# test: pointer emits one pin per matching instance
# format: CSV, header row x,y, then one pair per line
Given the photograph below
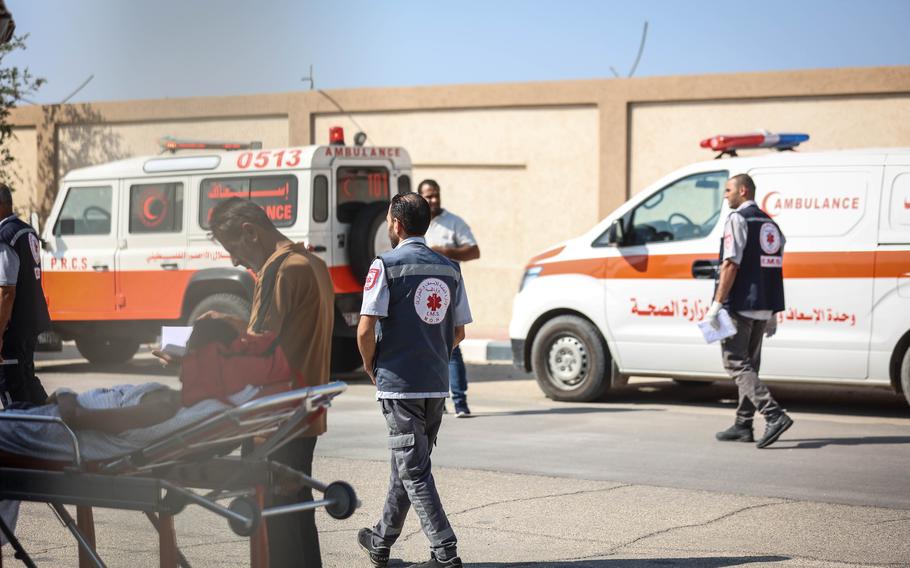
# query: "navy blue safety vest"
x,y
415,340
759,283
29,316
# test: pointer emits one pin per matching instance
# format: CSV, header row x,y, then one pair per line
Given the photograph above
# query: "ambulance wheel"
x,y
369,238
905,375
107,350
230,304
570,360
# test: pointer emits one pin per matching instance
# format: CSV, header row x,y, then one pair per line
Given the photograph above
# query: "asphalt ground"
x,y
634,481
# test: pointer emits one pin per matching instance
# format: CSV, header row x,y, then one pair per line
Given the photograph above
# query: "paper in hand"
x,y
174,338
727,328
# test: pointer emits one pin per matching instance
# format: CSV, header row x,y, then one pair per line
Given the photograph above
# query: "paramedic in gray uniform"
x,y
413,316
450,236
23,309
751,288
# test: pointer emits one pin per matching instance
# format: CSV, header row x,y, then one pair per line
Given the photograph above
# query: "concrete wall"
x,y
522,179
22,176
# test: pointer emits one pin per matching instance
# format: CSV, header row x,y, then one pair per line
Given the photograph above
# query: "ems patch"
x,y
372,276
769,238
35,246
772,261
431,300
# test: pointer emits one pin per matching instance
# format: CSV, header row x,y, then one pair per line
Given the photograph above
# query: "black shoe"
x,y
454,562
379,557
736,433
462,411
774,429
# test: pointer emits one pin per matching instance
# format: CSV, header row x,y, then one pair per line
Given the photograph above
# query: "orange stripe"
x,y
344,280
872,264
547,254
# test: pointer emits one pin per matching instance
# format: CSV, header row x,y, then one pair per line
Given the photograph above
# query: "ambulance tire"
x,y
370,220
905,375
107,350
226,303
570,360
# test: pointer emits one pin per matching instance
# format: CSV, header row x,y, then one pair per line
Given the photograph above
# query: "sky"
x,y
183,48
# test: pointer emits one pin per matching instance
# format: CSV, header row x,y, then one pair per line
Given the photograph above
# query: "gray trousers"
x,y
413,425
742,360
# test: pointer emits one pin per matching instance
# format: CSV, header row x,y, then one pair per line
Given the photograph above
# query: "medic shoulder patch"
x,y
431,300
372,277
35,246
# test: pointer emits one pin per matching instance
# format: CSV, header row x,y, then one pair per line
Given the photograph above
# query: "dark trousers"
x,y
458,379
742,360
413,426
293,538
18,383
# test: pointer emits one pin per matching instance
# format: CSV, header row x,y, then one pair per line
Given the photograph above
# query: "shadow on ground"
x,y
699,562
814,444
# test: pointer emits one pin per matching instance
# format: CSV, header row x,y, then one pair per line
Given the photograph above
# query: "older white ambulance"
x,y
127,247
624,298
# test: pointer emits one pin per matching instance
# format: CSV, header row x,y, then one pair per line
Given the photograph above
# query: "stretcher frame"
x,y
192,466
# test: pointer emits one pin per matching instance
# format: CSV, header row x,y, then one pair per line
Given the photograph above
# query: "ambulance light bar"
x,y
171,144
729,144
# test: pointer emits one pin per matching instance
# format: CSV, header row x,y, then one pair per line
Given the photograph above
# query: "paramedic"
x,y
417,298
301,310
751,289
450,236
23,309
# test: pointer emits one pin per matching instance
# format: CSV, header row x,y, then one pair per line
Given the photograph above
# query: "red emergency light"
x,y
336,136
171,144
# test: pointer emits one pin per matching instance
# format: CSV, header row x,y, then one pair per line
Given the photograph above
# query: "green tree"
x,y
16,85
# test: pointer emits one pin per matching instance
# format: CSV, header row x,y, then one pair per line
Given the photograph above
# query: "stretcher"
x,y
198,465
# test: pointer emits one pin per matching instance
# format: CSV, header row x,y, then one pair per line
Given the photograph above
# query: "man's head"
x,y
429,190
739,189
6,200
409,216
245,232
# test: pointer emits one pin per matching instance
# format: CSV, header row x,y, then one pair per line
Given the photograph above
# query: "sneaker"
x,y
462,411
736,433
379,557
454,562
773,430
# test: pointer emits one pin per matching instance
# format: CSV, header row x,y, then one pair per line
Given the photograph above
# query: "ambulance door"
x,y
660,280
828,216
320,233
79,265
151,257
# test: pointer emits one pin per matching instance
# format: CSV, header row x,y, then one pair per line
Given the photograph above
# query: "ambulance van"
x,y
127,246
623,299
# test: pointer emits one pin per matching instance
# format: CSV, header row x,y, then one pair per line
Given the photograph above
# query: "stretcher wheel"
x,y
343,498
175,502
249,509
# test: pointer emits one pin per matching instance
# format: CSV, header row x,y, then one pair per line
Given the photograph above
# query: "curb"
x,y
486,351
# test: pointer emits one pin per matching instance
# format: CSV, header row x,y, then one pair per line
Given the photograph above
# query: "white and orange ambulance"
x,y
127,246
624,298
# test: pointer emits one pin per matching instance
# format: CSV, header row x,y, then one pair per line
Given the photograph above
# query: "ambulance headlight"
x,y
530,274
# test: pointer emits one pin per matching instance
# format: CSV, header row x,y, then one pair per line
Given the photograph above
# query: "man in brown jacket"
x,y
300,309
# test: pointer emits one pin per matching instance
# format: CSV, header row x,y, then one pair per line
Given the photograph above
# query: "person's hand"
x,y
711,316
237,323
167,359
771,327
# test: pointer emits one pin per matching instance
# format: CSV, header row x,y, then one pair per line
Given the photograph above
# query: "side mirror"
x,y
617,233
65,226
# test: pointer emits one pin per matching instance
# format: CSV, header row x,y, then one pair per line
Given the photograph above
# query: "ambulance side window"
x,y
277,195
156,208
320,199
686,209
404,184
86,211
359,186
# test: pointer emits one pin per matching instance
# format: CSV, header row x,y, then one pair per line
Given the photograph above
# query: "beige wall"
x,y
666,136
23,175
522,179
89,144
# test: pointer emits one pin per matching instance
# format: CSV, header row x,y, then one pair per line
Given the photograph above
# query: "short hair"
x,y
430,182
6,195
230,215
412,211
744,180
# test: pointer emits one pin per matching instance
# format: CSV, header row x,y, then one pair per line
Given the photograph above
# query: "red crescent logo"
x,y
764,204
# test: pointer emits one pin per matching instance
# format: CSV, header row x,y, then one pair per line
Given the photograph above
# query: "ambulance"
x,y
624,298
127,246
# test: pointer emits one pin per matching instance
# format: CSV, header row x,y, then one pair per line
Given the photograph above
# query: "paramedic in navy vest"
x,y
751,290
413,316
23,309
